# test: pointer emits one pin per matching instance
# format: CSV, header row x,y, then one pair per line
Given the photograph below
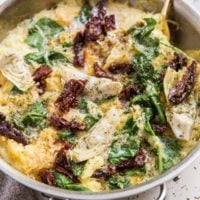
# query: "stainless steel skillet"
x,y
14,11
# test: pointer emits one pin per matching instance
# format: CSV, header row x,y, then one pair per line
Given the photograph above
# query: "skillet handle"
x,y
163,192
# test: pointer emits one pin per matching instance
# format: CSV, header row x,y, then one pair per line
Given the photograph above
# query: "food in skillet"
x,y
93,97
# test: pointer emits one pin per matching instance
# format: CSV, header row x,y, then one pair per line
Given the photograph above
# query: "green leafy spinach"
x,y
130,127
137,171
41,30
67,135
77,168
90,120
48,58
118,182
34,118
85,13
125,150
170,154
145,44
65,183
15,90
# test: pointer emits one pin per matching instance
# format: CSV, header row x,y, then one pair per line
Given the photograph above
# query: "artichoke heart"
x,y
15,70
96,88
99,139
180,117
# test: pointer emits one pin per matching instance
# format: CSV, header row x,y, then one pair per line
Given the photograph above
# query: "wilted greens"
x,y
65,183
41,30
85,13
67,135
90,120
47,57
170,154
32,120
118,182
125,150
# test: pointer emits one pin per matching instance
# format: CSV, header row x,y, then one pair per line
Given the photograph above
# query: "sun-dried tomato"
x,y
62,165
104,173
7,130
121,68
137,161
65,144
47,176
184,87
140,158
40,75
94,28
178,62
61,123
110,23
128,92
159,128
100,9
79,58
99,72
61,159
68,97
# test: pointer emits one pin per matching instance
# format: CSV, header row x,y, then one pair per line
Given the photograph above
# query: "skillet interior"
x,y
14,11
24,9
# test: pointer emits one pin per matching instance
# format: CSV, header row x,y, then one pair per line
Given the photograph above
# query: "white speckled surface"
x,y
186,188
195,4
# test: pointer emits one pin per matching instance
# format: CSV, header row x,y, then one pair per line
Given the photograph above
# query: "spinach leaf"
x,y
171,152
118,182
32,120
55,56
145,44
35,39
167,150
43,28
48,58
61,180
141,32
85,13
130,127
148,117
83,106
48,26
67,135
144,70
35,116
90,120
15,90
77,187
77,168
137,171
37,57
150,47
65,183
68,44
125,150
152,90
150,98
